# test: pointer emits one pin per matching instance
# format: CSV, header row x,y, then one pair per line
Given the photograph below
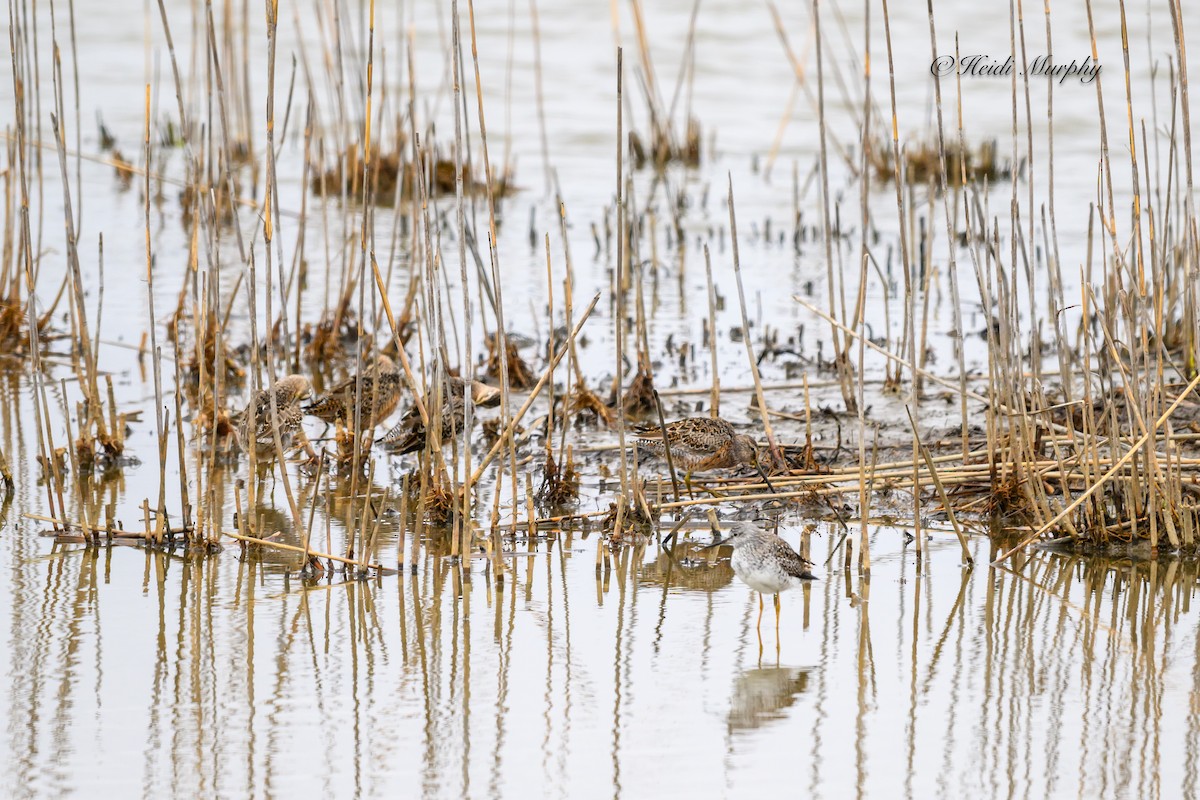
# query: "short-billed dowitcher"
x,y
379,396
409,433
702,443
765,563
289,391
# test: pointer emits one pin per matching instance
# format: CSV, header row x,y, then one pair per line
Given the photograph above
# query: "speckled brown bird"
x,y
380,394
289,391
702,443
408,435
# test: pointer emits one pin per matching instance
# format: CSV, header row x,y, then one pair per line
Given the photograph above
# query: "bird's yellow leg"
x,y
776,621
758,628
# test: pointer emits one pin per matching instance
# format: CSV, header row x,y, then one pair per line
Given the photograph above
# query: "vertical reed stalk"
x,y
715,395
841,354
618,311
776,454
864,504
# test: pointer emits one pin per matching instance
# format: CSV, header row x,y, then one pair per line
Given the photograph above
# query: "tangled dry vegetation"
x,y
1084,433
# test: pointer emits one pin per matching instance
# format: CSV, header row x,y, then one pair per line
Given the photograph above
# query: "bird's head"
x,y
385,364
297,387
747,451
485,396
739,533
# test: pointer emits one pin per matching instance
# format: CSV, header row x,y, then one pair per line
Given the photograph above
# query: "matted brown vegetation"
x,y
390,177
922,163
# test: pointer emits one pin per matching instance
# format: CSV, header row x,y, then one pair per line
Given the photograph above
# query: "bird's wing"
x,y
346,387
699,433
401,429
648,432
792,563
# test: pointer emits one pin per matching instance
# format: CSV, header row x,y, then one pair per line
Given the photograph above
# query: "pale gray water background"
x,y
133,673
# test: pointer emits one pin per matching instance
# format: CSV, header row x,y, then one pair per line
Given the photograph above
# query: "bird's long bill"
x,y
714,545
763,474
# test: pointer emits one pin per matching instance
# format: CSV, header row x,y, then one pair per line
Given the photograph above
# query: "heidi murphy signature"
x,y
987,67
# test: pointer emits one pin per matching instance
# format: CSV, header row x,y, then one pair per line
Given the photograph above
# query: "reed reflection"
x,y
995,676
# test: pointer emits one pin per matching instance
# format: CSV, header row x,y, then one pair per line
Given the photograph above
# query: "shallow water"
x,y
134,672
155,674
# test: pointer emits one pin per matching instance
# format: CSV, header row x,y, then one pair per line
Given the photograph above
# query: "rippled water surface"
x,y
548,670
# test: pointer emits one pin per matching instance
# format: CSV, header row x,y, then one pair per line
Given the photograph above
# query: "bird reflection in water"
x,y
761,695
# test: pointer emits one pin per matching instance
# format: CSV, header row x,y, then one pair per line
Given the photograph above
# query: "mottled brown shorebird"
x,y
702,443
408,435
289,391
766,564
380,394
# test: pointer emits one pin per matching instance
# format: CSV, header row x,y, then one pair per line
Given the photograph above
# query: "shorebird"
x,y
702,443
289,391
766,564
409,433
380,395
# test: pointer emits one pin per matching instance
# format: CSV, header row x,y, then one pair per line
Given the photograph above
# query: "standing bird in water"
x,y
766,564
379,396
409,435
702,443
289,391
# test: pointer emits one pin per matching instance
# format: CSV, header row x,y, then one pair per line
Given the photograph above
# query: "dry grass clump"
x,y
100,446
124,170
332,338
439,505
801,458
586,405
201,358
638,399
224,201
922,165
389,171
344,440
14,317
629,514
493,428
520,376
560,483
663,148
209,421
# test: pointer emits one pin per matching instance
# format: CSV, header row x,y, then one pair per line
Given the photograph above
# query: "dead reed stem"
x,y
776,455
715,391
618,310
841,354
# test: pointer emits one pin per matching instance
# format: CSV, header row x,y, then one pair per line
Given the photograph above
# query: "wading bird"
x,y
702,443
289,391
766,564
380,394
408,435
